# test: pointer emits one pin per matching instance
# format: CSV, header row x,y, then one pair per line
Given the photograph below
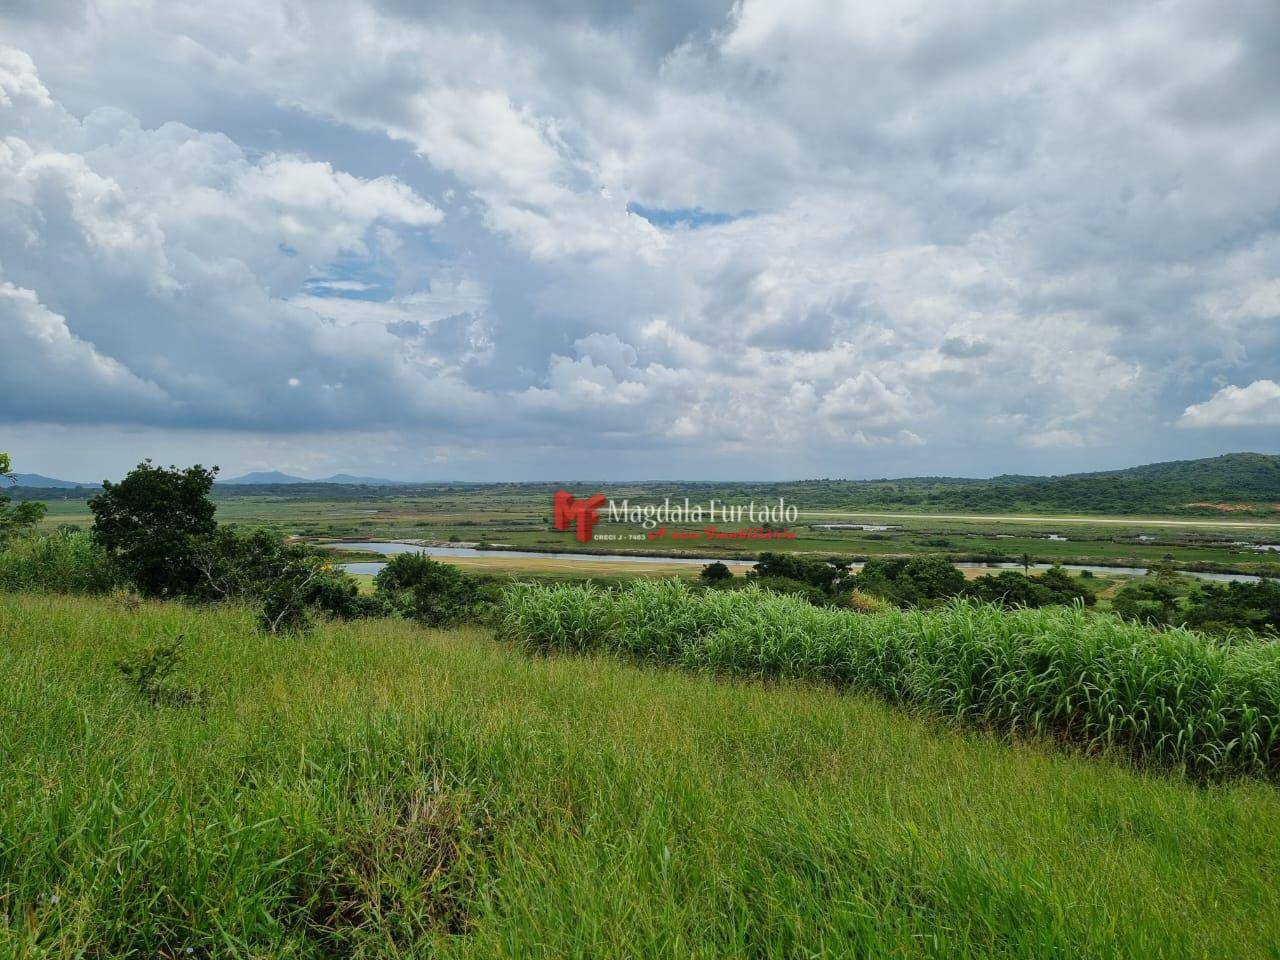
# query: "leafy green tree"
x,y
1231,606
151,521
1008,588
910,581
1012,589
816,573
1149,600
21,517
1064,588
714,573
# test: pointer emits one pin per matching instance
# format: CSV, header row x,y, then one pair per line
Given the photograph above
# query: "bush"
x,y
291,580
715,573
866,602
1171,696
785,566
337,594
150,673
1011,589
433,593
65,562
910,581
1063,589
1150,600
1236,606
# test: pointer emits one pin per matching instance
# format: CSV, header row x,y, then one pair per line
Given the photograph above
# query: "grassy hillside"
x,y
1230,482
379,791
1209,707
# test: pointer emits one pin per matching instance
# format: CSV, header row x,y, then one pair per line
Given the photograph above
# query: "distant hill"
x,y
262,477
361,481
1234,482
41,482
1240,474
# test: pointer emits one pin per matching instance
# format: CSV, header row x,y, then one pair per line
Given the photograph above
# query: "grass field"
x,y
380,791
1207,706
522,520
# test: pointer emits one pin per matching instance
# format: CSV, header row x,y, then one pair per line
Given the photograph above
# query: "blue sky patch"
x,y
691,217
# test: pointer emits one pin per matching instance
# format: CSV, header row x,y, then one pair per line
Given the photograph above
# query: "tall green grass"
x,y
67,561
380,791
1173,697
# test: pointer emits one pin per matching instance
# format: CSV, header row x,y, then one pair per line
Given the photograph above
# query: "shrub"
x,y
1063,589
291,580
150,673
910,581
65,562
714,573
337,594
1150,600
864,602
1011,589
785,566
433,593
1234,606
1171,696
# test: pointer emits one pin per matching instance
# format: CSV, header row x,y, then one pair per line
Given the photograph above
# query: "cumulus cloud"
x,y
1024,233
1257,405
49,373
177,262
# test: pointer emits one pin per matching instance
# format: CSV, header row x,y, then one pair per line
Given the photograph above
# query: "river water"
x,y
373,566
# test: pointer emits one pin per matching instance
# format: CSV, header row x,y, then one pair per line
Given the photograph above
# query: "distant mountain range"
x,y
275,477
1235,483
37,481
46,483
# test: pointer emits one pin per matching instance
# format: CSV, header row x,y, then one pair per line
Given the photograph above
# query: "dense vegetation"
x,y
1227,608
68,561
151,523
156,532
14,517
375,790
900,581
1248,484
1173,696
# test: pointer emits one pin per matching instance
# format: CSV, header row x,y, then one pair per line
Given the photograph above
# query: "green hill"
x,y
1236,482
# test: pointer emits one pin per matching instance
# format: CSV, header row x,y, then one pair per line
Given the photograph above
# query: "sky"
x,y
682,240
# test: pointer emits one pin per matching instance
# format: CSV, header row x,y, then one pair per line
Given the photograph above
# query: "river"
x,y
373,566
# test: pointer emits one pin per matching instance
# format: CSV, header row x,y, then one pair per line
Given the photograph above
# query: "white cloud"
x,y
1257,405
176,262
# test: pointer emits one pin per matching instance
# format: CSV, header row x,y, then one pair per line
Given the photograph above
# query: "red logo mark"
x,y
581,512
